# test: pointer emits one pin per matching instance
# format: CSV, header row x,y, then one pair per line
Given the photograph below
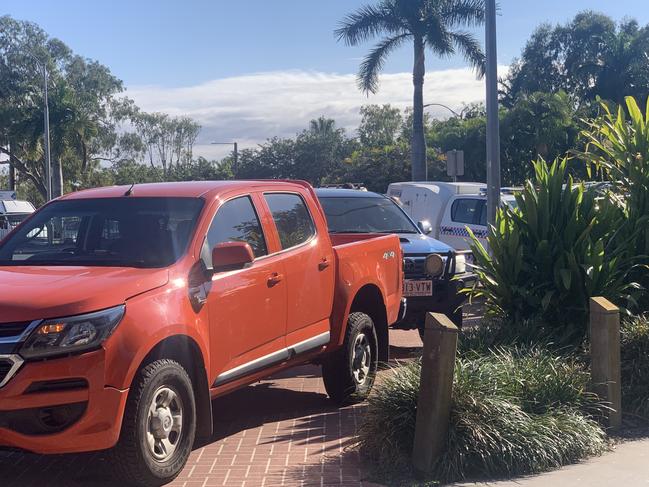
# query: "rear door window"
x,y
466,210
292,218
483,213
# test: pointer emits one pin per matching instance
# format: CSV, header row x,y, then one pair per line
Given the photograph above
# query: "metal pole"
x,y
12,172
46,137
493,135
236,158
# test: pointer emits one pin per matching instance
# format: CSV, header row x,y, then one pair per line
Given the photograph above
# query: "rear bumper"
x,y
95,426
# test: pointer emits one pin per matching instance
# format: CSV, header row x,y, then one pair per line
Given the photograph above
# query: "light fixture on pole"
x,y
459,115
46,128
235,153
493,131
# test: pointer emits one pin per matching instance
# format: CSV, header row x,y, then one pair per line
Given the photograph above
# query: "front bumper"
x,y
40,387
446,299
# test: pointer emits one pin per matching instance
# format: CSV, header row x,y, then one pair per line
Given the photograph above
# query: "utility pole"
x,y
493,131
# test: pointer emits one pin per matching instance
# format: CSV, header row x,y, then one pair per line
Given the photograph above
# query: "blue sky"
x,y
179,55
177,43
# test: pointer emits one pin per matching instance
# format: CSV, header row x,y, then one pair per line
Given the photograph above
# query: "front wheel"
x,y
349,373
159,426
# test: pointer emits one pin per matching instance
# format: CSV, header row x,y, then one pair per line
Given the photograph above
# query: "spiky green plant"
x,y
617,147
559,247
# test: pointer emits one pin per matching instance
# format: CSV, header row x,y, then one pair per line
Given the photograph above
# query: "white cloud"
x,y
252,108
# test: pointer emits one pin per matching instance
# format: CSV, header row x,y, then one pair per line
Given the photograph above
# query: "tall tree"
x,y
434,24
588,57
379,125
80,92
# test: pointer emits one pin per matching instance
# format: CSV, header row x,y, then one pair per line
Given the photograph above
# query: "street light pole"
x,y
459,115
46,138
493,131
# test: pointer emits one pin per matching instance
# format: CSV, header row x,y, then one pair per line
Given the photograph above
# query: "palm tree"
x,y
425,23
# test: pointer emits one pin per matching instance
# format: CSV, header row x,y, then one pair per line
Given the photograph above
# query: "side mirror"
x,y
229,256
425,226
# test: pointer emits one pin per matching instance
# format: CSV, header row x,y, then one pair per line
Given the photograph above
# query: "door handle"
x,y
324,263
274,278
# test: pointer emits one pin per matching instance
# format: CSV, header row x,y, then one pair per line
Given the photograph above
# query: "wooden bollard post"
x,y
605,356
435,389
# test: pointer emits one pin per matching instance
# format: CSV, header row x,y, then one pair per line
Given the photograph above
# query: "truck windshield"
x,y
365,215
126,232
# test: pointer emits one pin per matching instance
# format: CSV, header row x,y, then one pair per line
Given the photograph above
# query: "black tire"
x,y
343,370
455,315
133,460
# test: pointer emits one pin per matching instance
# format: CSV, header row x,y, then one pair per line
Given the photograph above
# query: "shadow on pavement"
x,y
248,408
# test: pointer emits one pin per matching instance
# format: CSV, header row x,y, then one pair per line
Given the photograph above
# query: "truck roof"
x,y
345,193
191,189
15,207
449,187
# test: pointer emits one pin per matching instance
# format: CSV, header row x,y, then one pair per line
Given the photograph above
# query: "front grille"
x,y
414,266
9,366
8,330
5,367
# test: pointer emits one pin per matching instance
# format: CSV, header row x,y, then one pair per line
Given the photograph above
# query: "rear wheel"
x,y
159,426
349,373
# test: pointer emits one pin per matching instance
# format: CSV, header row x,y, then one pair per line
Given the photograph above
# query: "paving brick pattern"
x,y
281,431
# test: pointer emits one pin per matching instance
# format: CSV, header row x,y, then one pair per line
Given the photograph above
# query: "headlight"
x,y
460,263
73,334
434,265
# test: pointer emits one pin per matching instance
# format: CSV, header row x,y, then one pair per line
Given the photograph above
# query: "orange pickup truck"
x,y
124,311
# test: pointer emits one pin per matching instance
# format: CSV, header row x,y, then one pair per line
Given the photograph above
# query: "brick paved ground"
x,y
281,431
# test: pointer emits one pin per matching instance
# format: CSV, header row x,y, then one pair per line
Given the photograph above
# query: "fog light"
x,y
434,265
460,264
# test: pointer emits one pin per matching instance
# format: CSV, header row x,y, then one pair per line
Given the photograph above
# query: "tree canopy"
x,y
591,56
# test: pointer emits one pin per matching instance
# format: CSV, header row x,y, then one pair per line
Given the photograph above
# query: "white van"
x,y
449,208
12,212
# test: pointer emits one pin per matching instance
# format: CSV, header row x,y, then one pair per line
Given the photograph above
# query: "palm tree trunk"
x,y
419,169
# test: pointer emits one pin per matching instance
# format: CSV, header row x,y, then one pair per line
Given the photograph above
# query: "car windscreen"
x,y
116,232
365,215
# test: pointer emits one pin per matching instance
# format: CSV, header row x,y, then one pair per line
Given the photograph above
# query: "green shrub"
x,y
635,366
513,412
550,255
617,146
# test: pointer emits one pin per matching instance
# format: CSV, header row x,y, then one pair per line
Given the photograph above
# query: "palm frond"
x,y
466,13
368,74
368,22
437,36
471,50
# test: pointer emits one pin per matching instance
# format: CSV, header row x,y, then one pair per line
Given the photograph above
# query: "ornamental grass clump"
x,y
635,366
514,412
